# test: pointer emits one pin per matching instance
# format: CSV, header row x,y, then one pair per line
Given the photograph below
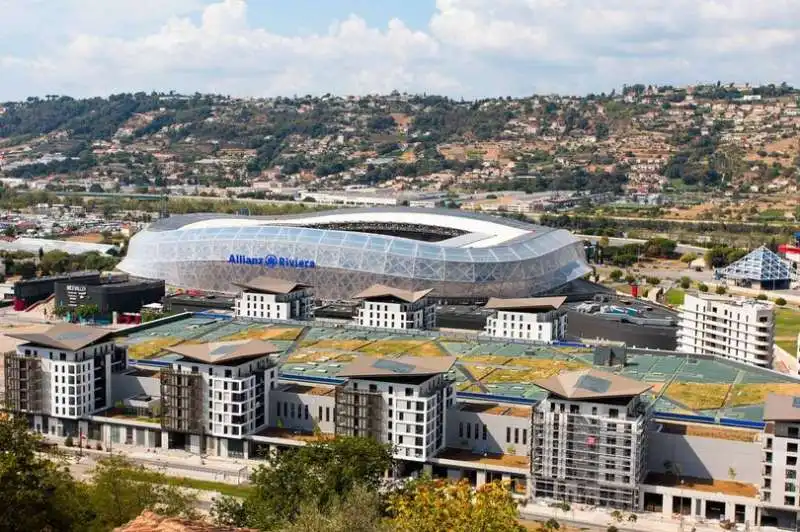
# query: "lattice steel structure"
x,y
760,266
491,256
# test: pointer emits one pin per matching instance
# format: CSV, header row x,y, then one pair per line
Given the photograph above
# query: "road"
x,y
617,241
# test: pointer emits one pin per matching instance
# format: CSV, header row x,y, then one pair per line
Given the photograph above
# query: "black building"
x,y
126,296
31,291
197,303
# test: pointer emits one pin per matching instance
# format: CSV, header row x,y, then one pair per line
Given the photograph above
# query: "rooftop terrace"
x,y
487,370
728,487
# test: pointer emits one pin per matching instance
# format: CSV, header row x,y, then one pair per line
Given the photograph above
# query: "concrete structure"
x,y
401,401
385,307
781,448
543,319
737,329
217,393
270,298
460,255
590,439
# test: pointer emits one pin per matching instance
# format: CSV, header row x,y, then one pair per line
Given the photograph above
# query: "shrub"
x,y
630,279
69,442
702,287
615,275
612,528
685,282
653,280
99,446
720,289
780,301
762,297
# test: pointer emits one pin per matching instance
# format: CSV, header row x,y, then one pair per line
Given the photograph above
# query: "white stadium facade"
x,y
340,252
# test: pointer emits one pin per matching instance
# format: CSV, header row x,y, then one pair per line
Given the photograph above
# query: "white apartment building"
x,y
217,393
385,307
590,439
270,298
780,487
540,319
62,373
402,402
737,329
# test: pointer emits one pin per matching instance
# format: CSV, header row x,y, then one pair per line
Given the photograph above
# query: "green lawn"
x,y
787,325
674,296
202,485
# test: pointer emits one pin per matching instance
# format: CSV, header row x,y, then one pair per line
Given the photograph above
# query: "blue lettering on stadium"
x,y
272,261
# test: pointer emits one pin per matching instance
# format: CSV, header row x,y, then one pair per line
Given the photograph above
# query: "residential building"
x,y
216,393
270,298
60,375
401,401
385,307
541,319
737,329
589,443
779,490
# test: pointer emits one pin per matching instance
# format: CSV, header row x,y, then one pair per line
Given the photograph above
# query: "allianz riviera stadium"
x,y
341,252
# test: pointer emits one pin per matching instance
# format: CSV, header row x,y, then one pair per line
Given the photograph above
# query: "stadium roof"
x,y
380,290
759,265
526,303
494,230
223,352
271,285
592,384
405,366
64,336
782,408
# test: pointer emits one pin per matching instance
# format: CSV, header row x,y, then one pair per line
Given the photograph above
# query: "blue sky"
x,y
461,48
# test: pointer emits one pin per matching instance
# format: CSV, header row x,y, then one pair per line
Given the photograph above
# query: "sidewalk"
x,y
601,517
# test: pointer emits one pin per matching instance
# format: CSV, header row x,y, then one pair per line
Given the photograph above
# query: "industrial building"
x,y
460,256
30,291
738,329
110,298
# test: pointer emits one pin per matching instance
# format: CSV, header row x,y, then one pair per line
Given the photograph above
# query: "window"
x,y
791,460
508,434
516,435
469,430
461,430
791,448
305,408
524,435
788,501
484,432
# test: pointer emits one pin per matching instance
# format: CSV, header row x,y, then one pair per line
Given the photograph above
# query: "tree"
x,y
702,287
685,282
653,280
630,279
688,258
427,505
780,301
119,491
315,476
359,511
615,275
36,493
550,525
720,289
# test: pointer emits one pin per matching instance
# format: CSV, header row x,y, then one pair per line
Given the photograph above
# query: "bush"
x,y
99,446
630,279
780,301
685,282
762,297
653,280
615,275
702,287
612,528
720,289
69,442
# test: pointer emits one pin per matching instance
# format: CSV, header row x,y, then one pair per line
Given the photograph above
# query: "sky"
x,y
458,48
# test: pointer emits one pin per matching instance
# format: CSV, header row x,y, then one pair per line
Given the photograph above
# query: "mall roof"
x,y
223,352
405,366
782,408
270,285
525,303
64,336
380,290
590,384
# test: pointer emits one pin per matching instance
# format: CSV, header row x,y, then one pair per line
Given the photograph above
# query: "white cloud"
x,y
470,47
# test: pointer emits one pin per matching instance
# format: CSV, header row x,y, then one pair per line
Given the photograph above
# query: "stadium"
x,y
341,252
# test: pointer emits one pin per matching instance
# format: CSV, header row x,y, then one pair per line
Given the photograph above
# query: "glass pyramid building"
x,y
760,267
